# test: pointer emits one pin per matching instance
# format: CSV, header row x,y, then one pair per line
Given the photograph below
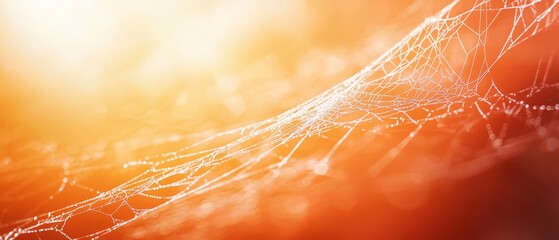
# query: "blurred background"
x,y
80,78
78,71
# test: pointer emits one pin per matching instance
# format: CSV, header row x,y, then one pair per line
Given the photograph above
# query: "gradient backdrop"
x,y
88,89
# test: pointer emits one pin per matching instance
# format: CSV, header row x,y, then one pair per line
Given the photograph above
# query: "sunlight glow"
x,y
273,119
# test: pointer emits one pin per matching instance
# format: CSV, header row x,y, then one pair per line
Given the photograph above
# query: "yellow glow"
x,y
56,39
88,62
84,44
114,118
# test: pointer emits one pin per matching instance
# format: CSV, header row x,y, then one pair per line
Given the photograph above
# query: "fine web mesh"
x,y
436,86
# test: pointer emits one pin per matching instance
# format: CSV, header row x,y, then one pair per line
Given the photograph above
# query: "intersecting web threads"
x,y
434,90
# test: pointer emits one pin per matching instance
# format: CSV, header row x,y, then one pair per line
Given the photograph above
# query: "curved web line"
x,y
437,71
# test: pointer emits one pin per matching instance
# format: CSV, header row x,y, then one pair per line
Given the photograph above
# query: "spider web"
x,y
437,87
